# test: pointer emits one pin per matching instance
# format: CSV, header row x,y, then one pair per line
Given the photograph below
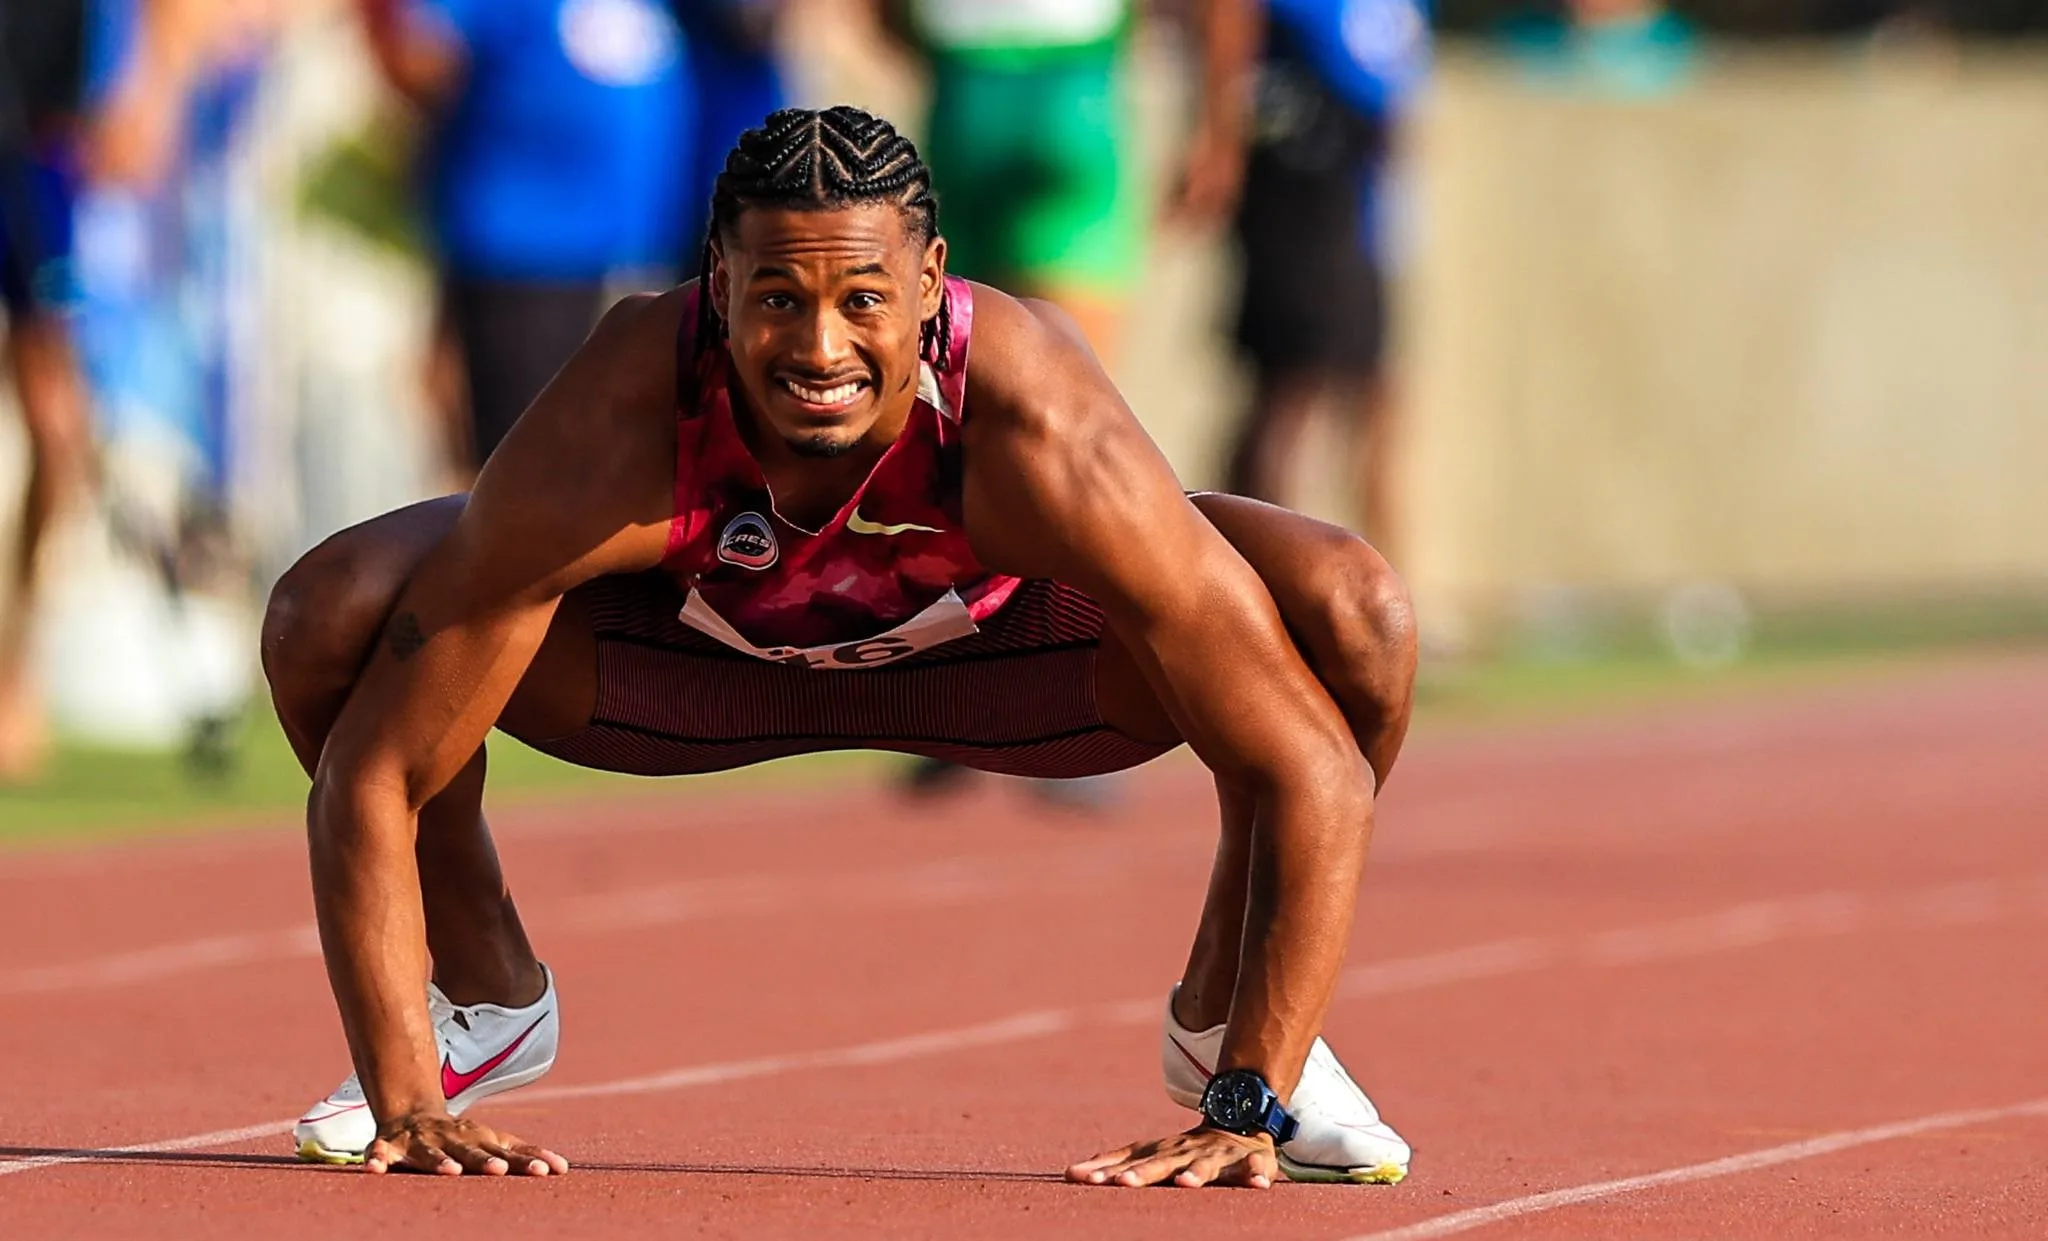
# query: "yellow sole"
x,y
313,1152
1383,1174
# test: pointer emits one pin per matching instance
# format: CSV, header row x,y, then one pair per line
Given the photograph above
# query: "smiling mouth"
x,y
833,396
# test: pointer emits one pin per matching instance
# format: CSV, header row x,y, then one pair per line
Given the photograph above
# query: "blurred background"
x,y
1659,346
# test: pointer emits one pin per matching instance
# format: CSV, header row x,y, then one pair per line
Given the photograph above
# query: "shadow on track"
x,y
77,1154
230,1159
837,1174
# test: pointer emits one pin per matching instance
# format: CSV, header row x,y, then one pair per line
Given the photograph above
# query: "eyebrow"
x,y
776,270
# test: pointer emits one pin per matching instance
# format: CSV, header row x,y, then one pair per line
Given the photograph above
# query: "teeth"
x,y
825,396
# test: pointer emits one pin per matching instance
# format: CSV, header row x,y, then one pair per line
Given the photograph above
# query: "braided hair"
x,y
806,160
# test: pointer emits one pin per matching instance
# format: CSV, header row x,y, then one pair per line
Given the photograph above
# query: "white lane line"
x,y
168,961
942,883
1732,1165
1741,927
197,1141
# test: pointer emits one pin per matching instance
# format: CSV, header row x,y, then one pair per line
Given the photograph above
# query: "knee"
x,y
1367,621
322,616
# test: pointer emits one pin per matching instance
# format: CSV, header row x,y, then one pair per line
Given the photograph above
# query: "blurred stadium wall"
x,y
1785,329
1782,331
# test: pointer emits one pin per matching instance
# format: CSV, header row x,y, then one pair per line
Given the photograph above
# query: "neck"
x,y
809,490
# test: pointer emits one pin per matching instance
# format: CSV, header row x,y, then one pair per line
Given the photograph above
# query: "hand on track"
x,y
1200,1156
449,1146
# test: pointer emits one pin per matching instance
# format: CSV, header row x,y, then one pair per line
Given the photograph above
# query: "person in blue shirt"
x,y
738,81
561,158
1331,82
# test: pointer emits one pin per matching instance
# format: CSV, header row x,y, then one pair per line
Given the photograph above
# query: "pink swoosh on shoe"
x,y
454,1083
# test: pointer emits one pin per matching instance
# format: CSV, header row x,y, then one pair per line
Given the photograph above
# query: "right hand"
x,y
450,1146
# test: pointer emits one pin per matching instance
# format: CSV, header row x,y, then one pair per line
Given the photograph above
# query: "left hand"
x,y
1201,1156
1211,179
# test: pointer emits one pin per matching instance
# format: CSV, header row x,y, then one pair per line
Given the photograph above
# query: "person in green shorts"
x,y
1029,139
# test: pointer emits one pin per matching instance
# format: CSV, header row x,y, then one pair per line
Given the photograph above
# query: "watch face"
x,y
1234,1102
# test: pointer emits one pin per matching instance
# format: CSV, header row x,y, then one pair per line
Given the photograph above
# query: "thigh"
x,y
1297,557
327,611
1018,697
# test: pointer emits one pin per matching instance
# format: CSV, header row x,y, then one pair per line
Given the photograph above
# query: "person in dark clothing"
x,y
42,66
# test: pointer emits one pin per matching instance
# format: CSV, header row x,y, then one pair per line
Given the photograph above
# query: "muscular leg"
x,y
54,413
325,615
1262,457
1350,616
1373,452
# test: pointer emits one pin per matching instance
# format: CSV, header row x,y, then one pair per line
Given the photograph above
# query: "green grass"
x,y
92,793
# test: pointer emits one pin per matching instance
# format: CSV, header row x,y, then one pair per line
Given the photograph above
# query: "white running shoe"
x,y
1341,1137
486,1049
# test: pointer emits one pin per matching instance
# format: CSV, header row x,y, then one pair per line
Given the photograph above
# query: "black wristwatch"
x,y
1241,1102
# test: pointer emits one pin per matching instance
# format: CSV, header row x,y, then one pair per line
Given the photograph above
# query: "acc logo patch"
x,y
749,542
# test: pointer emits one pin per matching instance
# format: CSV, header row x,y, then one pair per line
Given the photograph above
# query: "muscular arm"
x,y
581,487
1063,483
421,58
1229,34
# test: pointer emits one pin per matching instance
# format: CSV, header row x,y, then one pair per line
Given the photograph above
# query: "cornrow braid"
x,y
815,161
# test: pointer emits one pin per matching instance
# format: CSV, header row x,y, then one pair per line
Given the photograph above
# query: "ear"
x,y
931,281
721,284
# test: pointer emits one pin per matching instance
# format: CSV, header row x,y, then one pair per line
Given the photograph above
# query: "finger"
x,y
426,1155
381,1156
1257,1170
555,1164
520,1158
1205,1169
522,1154
1155,1169
1095,1171
476,1157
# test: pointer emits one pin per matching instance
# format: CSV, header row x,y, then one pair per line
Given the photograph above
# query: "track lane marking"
x,y
1732,1165
1750,925
945,882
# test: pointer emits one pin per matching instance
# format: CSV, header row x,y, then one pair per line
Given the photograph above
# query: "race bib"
x,y
941,622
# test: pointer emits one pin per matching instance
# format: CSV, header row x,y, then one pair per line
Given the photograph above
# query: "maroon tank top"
x,y
889,575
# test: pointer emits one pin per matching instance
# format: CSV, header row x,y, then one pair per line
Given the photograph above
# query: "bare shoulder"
x,y
584,482
1029,365
1051,450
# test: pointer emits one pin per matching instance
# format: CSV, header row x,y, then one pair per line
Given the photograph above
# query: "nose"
x,y
824,348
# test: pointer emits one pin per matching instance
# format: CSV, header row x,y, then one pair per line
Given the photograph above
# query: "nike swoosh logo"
x,y
861,525
454,1083
310,1119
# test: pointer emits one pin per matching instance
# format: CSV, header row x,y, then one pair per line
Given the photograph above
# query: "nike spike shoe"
x,y
1341,1139
486,1049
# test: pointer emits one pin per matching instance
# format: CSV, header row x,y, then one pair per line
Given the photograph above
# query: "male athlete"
x,y
824,498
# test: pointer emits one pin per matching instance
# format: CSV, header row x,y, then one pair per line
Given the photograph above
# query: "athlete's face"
x,y
824,309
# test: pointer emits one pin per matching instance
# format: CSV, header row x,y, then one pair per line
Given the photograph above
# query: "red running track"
x,y
1755,970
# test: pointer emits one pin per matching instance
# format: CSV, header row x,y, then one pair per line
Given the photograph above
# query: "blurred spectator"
x,y
1029,139
561,149
42,71
738,81
1334,77
1616,47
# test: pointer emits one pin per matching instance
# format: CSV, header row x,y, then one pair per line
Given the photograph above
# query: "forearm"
x,y
1307,851
1230,34
366,898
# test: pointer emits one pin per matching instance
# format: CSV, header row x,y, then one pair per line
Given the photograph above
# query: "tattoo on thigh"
x,y
405,637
